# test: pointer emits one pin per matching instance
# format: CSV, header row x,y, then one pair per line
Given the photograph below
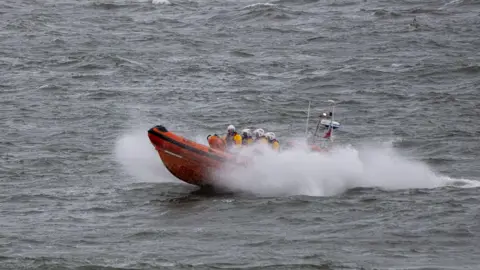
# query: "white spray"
x,y
298,172
139,158
294,172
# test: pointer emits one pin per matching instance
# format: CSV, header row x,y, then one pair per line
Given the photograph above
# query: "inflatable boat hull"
x,y
187,160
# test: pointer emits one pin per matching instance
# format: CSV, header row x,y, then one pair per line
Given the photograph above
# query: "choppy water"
x,y
82,81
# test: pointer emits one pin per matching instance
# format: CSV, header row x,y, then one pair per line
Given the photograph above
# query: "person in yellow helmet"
x,y
247,137
232,139
272,140
259,136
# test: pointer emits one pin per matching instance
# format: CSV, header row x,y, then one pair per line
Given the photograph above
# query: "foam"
x,y
300,172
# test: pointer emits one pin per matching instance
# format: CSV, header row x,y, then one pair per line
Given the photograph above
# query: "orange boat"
x,y
187,160
192,162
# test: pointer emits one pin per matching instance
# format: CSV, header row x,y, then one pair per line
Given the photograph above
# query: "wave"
x,y
260,5
298,172
266,11
161,2
119,4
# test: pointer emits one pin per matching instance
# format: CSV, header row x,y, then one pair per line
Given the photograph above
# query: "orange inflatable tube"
x,y
187,160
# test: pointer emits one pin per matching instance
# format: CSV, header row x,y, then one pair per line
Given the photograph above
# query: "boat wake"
x,y
297,172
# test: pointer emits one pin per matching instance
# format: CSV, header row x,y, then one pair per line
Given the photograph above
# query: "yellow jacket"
x,y
235,140
275,145
263,140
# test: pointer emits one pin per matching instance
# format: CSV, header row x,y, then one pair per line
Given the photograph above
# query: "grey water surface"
x,y
82,81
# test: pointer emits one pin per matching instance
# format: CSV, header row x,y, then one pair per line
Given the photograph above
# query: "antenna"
x,y
331,120
308,117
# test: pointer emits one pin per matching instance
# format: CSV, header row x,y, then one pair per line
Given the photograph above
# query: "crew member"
x,y
247,137
232,138
216,142
272,141
259,136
